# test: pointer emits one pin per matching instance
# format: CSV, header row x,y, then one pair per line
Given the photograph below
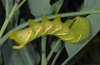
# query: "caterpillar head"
x,y
21,37
81,26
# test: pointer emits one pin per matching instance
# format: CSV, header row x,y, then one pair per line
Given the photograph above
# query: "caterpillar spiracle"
x,y
73,31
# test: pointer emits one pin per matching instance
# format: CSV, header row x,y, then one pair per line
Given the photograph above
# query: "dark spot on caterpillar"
x,y
28,32
58,27
21,37
48,26
37,28
65,32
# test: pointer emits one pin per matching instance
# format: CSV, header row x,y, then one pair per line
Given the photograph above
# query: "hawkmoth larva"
x,y
68,31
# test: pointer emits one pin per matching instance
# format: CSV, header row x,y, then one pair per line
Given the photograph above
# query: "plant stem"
x,y
55,46
7,20
58,53
75,14
20,4
43,47
2,40
55,58
7,8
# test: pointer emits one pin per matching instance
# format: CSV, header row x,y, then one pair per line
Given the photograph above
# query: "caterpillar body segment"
x,y
46,25
72,36
64,30
67,37
35,29
57,25
69,33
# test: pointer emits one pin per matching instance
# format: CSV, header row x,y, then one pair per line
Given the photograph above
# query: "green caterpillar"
x,y
73,31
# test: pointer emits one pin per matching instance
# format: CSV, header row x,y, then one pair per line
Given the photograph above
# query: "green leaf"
x,y
57,48
74,49
90,5
56,6
40,7
24,56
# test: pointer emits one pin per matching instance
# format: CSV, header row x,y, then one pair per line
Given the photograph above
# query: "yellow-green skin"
x,y
68,31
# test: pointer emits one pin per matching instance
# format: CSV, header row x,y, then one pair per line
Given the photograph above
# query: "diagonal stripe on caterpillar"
x,y
69,31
